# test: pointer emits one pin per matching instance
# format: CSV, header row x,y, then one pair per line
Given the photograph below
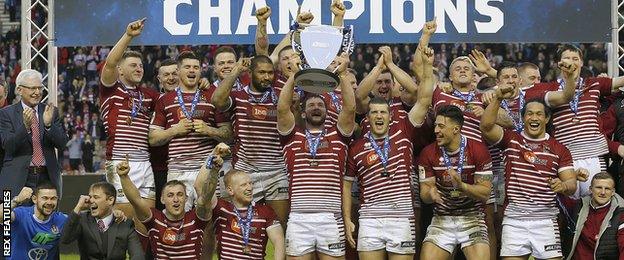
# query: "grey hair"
x,y
28,74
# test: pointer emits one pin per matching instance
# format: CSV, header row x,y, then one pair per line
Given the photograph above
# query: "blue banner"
x,y
198,22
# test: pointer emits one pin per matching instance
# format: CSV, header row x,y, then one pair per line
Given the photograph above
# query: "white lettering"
x,y
170,19
397,16
376,16
497,18
288,13
221,12
248,17
357,9
458,15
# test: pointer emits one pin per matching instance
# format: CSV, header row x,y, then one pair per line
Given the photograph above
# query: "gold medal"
x,y
385,174
246,249
576,120
129,120
314,163
455,193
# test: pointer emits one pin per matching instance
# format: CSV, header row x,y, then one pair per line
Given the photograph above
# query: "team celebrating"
x,y
397,166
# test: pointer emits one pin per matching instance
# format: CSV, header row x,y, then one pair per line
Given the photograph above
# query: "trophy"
x,y
317,46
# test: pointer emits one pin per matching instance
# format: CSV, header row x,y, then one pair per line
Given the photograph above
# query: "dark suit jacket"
x,y
17,145
121,238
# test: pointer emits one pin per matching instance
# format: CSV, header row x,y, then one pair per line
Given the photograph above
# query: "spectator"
x,y
74,154
87,153
599,233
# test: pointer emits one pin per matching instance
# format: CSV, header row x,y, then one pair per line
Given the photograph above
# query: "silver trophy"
x,y
317,46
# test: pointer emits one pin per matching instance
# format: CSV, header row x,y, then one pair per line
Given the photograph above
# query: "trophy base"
x,y
316,81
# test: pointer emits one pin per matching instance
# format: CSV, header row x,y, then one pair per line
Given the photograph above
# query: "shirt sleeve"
x,y
505,140
605,85
565,159
271,218
425,166
160,118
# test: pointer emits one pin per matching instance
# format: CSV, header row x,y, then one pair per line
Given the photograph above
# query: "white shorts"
x,y
594,165
267,184
309,232
540,238
141,175
447,232
188,178
395,235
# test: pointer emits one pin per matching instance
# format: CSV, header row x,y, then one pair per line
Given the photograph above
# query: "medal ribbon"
x,y
383,156
466,98
244,223
460,163
135,108
264,97
517,119
313,142
577,94
335,101
189,115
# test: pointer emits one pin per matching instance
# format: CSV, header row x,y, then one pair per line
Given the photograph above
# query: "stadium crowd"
x,y
422,151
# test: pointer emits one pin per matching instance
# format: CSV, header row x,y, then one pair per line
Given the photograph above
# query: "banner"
x,y
199,22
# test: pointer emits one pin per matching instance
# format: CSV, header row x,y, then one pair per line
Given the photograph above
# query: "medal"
x,y
576,120
460,163
515,117
529,156
383,155
313,143
188,114
313,163
245,227
134,107
467,98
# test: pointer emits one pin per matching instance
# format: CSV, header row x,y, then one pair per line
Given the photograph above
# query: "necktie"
x,y
37,157
101,225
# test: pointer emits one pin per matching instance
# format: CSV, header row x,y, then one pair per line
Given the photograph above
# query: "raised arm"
x,y
72,228
221,96
206,184
569,71
419,111
492,132
401,76
285,117
366,85
346,117
338,9
262,39
302,18
428,30
109,72
481,63
141,209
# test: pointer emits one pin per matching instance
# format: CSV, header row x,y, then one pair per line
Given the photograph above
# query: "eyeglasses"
x,y
33,88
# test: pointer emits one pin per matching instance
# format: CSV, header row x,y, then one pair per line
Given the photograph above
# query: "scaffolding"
x,y
38,50
616,48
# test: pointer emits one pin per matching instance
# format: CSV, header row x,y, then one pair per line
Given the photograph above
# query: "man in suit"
x,y
98,235
30,132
